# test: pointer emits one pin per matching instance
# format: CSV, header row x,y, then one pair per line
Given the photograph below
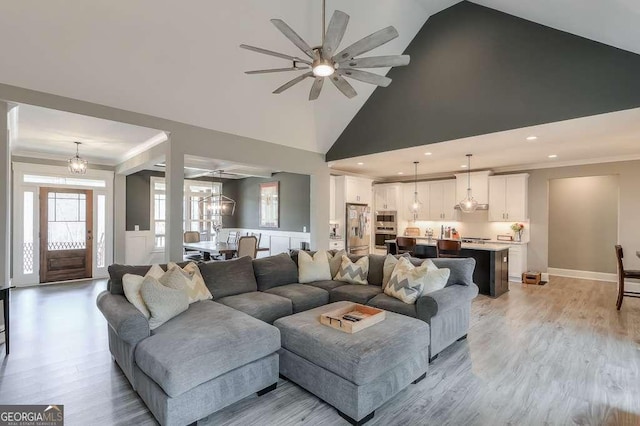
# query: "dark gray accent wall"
x,y
138,188
294,201
475,70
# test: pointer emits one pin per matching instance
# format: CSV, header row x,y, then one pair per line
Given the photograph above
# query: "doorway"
x,y
66,226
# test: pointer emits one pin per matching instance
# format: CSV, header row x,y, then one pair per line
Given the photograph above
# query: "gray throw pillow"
x,y
229,277
274,271
335,262
163,302
461,269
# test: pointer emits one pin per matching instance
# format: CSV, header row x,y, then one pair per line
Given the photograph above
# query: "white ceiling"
x,y
606,137
52,133
182,62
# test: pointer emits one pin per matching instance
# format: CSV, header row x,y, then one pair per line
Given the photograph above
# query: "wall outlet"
x,y
136,227
304,229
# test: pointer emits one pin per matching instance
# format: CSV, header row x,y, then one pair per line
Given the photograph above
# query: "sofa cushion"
x,y
360,357
264,306
117,271
229,277
302,296
461,269
204,342
313,268
354,293
407,281
353,272
327,285
376,264
388,303
163,301
274,271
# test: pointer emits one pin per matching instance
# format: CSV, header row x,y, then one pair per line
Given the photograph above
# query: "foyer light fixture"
x,y
76,164
416,205
469,204
217,204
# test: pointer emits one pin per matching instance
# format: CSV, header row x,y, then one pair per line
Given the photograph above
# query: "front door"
x,y
66,223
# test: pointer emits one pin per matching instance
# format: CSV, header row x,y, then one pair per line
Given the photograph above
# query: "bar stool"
x,y
448,248
406,245
622,274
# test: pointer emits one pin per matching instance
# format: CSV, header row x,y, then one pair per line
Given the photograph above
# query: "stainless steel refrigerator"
x,y
358,228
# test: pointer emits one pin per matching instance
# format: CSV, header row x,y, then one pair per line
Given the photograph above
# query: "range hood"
x,y
480,207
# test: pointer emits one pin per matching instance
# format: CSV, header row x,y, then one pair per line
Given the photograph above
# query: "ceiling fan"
x,y
324,62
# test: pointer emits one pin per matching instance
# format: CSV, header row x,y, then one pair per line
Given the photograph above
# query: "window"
x,y
61,181
198,211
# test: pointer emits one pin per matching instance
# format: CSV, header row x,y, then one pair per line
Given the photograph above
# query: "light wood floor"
x,y
549,355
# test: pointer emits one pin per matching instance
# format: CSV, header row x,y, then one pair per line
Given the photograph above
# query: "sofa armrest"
x,y
444,299
124,318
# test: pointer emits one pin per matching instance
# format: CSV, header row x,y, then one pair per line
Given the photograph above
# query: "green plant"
x,y
517,227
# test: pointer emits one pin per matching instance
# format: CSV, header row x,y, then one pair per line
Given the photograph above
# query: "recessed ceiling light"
x,y
553,156
360,164
532,138
427,153
400,173
464,166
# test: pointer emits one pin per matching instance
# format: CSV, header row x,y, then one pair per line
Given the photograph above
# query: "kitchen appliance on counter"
x,y
358,228
475,240
386,227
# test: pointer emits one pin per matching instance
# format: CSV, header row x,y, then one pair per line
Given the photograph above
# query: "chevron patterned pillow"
x,y
408,282
353,273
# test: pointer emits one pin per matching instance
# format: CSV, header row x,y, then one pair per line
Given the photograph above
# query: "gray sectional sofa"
x,y
218,352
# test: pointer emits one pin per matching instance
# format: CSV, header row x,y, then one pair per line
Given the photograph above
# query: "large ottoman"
x,y
355,373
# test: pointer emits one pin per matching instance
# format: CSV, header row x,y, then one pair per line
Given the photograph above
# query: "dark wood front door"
x,y
66,223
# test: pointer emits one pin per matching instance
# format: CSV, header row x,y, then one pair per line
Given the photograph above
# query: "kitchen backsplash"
x,y
474,225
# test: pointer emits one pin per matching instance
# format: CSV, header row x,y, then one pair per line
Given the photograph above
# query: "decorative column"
x,y
174,178
320,209
5,195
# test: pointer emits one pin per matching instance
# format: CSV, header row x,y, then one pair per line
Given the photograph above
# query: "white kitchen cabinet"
x,y
517,262
336,245
408,194
479,186
387,197
442,200
357,190
508,196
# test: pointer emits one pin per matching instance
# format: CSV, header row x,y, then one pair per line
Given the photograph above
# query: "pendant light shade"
x,y
416,205
77,165
469,204
217,204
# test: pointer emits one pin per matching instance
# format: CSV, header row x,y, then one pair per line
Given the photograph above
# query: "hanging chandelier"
x,y
469,204
416,205
77,165
217,204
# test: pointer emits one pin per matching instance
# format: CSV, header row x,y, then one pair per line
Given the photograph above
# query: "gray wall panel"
x,y
475,70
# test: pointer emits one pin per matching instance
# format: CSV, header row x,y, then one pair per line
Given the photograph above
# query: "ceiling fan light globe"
x,y
323,70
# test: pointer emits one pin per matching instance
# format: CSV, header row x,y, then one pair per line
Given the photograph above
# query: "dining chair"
x,y
192,237
233,236
405,245
247,246
448,248
622,274
258,235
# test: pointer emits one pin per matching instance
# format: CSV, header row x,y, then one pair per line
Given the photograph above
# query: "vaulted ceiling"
x,y
182,62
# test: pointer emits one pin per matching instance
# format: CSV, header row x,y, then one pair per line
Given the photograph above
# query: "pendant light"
x,y
77,165
469,204
416,205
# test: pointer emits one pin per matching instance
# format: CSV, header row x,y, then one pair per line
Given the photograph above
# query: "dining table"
x,y
213,248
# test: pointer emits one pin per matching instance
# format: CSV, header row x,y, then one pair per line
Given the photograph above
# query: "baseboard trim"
x,y
595,276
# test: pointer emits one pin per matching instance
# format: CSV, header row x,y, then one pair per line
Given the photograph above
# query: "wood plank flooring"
x,y
539,355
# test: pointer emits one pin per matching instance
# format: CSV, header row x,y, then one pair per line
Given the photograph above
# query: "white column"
x,y
5,195
174,179
119,218
320,209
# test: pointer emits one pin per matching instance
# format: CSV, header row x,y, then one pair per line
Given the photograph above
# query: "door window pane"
x,y
67,226
27,253
101,231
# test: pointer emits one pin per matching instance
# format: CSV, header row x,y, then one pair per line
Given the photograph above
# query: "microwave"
x,y
387,218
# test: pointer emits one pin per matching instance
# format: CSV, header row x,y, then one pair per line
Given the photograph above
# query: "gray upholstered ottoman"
x,y
355,373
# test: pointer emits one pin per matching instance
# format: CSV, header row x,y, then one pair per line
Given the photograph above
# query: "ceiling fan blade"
x,y
343,85
368,43
316,88
276,70
293,36
272,53
293,82
335,32
378,61
365,76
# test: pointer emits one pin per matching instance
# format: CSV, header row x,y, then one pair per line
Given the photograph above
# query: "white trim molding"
x,y
585,275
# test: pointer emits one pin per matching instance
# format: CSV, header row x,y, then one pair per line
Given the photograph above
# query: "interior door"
x,y
66,223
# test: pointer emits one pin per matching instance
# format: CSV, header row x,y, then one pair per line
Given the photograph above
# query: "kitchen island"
x,y
491,274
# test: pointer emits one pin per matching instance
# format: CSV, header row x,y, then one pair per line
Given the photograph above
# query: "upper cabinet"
x,y
442,200
479,186
508,198
356,190
387,197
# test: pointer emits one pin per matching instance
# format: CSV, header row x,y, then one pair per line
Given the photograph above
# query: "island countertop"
x,y
467,246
